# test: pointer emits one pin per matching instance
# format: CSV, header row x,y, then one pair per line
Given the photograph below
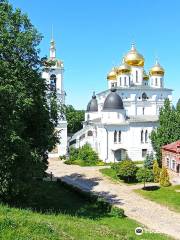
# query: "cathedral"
x,y
54,75
119,121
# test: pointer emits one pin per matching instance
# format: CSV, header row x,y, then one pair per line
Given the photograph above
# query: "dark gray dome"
x,y
113,101
93,104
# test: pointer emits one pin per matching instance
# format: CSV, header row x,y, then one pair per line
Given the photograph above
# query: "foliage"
x,y
127,170
56,211
117,212
164,178
148,162
156,171
144,175
27,122
84,156
168,130
74,118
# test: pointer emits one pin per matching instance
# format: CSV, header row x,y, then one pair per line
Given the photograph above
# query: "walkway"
x,y
156,217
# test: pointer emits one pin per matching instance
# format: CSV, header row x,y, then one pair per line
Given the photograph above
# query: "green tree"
x,y
148,162
167,130
27,122
156,171
74,118
144,175
127,170
164,178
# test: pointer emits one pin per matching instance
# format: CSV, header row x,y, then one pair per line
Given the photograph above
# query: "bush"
x,y
127,170
103,205
144,175
117,212
84,156
164,178
156,171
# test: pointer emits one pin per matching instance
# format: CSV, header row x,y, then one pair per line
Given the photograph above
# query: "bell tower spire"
x,y
52,46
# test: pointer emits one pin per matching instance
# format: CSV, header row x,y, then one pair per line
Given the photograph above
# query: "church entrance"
x,y
120,154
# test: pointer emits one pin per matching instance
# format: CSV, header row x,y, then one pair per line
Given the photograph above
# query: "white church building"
x,y
119,121
54,76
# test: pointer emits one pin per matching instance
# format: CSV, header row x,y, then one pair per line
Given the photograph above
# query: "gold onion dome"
x,y
157,70
133,58
145,76
123,68
112,74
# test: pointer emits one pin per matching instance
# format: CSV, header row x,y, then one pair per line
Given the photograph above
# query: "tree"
x,y
144,175
167,129
156,171
127,170
148,163
164,178
74,118
27,122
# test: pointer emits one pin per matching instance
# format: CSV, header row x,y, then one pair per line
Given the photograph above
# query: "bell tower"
x,y
53,72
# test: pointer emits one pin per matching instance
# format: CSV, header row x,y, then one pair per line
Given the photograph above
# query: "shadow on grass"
x,y
57,197
151,188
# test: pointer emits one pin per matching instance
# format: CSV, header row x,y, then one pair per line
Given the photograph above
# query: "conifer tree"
x,y
156,171
164,178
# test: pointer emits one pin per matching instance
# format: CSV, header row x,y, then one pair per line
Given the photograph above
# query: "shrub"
x,y
164,178
103,205
148,162
156,171
144,175
117,212
84,156
127,170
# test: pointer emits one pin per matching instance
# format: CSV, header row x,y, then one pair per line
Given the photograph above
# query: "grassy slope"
x,y
62,214
166,196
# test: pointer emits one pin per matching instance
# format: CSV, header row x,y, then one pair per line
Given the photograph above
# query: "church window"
x,y
143,110
136,76
144,96
120,81
90,133
146,136
156,82
115,136
112,85
142,136
119,137
125,81
144,152
52,82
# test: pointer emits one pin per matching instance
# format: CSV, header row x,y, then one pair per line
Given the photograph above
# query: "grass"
x,y
84,163
165,195
57,212
111,173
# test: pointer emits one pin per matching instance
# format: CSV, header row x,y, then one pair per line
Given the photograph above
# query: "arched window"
x,y
146,136
115,136
136,76
156,82
142,136
143,110
90,133
120,81
144,96
119,137
53,82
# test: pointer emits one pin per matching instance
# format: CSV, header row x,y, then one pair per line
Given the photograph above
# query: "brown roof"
x,y
172,147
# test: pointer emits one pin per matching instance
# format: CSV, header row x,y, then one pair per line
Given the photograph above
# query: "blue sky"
x,y
92,35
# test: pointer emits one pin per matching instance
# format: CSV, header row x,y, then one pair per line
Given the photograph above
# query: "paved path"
x,y
156,217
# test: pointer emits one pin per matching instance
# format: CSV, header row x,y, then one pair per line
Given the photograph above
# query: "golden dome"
x,y
157,70
123,68
133,58
112,74
145,76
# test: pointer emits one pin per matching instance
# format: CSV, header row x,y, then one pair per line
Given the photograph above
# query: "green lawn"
x,y
111,173
57,212
164,195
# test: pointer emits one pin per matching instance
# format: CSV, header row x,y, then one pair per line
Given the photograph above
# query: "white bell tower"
x,y
54,74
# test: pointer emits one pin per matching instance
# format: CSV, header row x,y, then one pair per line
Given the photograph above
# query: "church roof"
x,y
113,101
93,104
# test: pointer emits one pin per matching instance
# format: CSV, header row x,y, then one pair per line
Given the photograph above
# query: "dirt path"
x,y
156,217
